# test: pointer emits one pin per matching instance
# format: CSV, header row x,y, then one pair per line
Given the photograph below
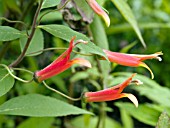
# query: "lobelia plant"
x,y
94,75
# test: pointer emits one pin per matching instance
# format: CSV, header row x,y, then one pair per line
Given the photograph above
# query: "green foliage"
x,y
128,15
164,121
8,33
37,122
66,33
90,122
36,44
143,113
39,106
50,3
6,82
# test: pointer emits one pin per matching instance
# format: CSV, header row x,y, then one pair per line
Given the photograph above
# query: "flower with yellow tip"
x,y
99,11
113,93
59,65
133,60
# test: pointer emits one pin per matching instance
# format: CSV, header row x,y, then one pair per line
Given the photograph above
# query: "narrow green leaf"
x,y
66,33
127,13
144,113
8,33
37,122
37,43
6,82
126,27
39,106
126,119
100,37
164,121
50,3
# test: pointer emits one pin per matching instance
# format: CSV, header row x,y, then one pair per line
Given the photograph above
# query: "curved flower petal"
x,y
66,55
132,98
146,66
98,10
80,61
146,57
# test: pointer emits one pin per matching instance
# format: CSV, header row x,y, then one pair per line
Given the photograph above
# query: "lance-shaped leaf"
x,y
36,105
127,13
66,33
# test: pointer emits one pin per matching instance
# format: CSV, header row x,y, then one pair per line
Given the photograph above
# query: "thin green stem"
x,y
10,72
49,49
60,93
25,70
20,58
13,21
53,11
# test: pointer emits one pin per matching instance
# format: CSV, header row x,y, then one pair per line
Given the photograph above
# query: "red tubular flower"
x,y
99,11
132,60
112,93
62,63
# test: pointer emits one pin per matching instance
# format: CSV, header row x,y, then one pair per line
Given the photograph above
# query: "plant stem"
x,y
20,58
62,94
17,78
53,11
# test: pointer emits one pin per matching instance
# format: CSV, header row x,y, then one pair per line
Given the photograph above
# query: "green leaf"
x,y
8,33
39,106
66,33
50,17
37,122
6,82
164,121
50,3
143,113
37,43
127,13
90,122
126,119
100,38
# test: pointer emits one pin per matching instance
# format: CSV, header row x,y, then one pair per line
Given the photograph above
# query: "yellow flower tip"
x,y
132,98
106,19
81,61
146,66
